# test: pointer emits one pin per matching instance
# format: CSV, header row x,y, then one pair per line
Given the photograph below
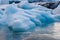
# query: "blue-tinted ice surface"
x,y
26,18
3,17
7,1
19,18
43,0
57,10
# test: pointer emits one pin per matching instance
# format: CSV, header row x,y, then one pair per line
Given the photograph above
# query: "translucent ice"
x,y
57,10
43,0
25,5
25,20
3,17
43,17
17,20
20,19
4,1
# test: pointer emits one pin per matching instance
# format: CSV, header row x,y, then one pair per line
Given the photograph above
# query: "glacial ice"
x,y
43,0
57,10
27,18
3,17
20,18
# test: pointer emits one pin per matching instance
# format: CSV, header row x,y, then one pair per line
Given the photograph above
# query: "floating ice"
x,y
22,19
26,20
57,10
50,0
17,20
43,0
4,2
25,5
3,17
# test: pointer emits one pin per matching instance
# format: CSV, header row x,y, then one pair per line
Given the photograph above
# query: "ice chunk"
x,y
3,17
17,20
11,9
22,20
21,23
57,10
25,5
31,1
8,1
43,17
43,0
50,0
15,0
4,1
57,18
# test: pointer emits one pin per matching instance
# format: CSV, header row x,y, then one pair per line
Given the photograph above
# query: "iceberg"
x,y
50,0
32,18
17,20
57,10
43,0
25,20
25,5
4,2
3,17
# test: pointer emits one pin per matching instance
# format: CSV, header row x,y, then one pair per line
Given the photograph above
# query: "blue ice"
x,y
3,17
20,18
57,10
25,20
43,0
